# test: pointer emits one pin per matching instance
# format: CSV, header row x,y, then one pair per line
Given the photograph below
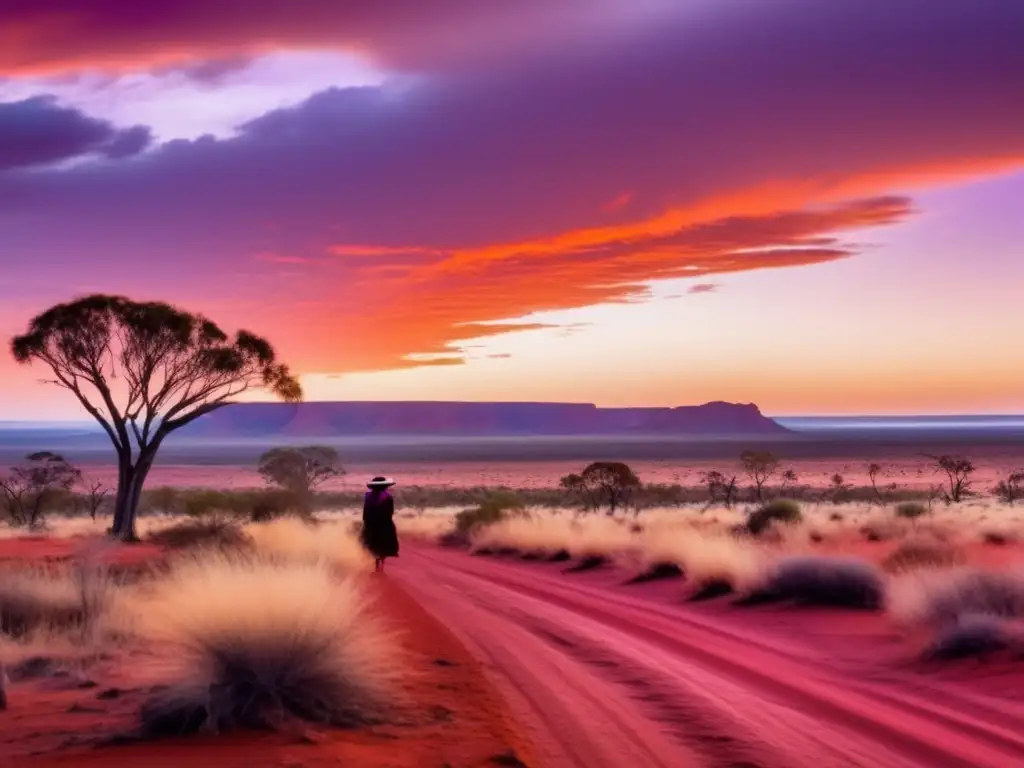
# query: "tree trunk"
x,y
124,478
127,504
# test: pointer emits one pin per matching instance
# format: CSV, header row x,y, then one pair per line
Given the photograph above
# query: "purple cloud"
x,y
38,131
398,34
704,288
724,140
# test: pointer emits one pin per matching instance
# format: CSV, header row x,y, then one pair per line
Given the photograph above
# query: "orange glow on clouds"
x,y
428,307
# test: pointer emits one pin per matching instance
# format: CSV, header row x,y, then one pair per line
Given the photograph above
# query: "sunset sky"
x,y
813,205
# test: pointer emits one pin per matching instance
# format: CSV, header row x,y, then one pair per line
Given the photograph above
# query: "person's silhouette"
x,y
379,535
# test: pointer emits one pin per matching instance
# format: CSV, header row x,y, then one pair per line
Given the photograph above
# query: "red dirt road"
x,y
601,676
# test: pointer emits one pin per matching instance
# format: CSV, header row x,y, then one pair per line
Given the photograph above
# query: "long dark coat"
x,y
379,535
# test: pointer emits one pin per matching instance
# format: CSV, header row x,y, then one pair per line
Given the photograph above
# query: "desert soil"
x,y
519,661
602,675
453,716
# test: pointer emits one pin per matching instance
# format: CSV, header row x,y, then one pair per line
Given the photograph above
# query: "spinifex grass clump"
x,y
253,643
826,581
777,512
492,510
973,636
657,571
297,540
55,599
911,510
912,555
942,598
213,532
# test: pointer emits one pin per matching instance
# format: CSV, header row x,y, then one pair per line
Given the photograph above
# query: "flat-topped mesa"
x,y
454,419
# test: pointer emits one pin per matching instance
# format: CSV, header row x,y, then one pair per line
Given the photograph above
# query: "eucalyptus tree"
x,y
144,370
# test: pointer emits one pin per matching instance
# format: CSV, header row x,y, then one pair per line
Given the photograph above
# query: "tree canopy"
x,y
30,486
300,470
145,369
958,471
759,466
603,483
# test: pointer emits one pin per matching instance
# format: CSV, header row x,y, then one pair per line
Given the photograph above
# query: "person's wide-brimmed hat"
x,y
380,482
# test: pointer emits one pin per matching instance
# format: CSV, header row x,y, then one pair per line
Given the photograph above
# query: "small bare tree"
x,y
300,471
35,482
760,466
1010,488
719,485
95,492
839,488
789,480
958,471
874,470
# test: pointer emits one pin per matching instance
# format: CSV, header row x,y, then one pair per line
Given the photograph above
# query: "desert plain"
x,y
823,624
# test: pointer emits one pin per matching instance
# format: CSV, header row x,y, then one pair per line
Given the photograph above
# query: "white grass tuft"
x,y
705,557
52,599
254,642
941,597
295,540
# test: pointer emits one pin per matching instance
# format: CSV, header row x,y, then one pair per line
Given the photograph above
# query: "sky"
x,y
812,206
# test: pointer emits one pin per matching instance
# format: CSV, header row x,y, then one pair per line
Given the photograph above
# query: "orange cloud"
x,y
431,308
381,250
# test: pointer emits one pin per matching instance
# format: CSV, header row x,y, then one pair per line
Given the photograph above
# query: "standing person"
x,y
379,535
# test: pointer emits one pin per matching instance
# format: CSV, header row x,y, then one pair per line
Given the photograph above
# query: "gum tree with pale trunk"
x,y
144,370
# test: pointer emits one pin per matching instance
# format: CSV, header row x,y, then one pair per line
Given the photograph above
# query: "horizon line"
x,y
784,417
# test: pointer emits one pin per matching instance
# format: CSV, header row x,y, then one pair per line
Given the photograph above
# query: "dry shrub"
x,y
589,563
209,532
942,597
705,557
999,537
497,507
252,642
914,555
539,533
972,636
428,527
657,571
911,510
548,534
296,540
56,599
843,582
777,512
882,530
595,536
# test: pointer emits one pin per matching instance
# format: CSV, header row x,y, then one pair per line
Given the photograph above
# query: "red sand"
x,y
607,675
456,718
594,674
40,549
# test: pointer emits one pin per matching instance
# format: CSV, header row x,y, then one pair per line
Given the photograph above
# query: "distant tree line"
x,y
45,482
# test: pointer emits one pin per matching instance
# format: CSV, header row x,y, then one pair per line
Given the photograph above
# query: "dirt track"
x,y
605,677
